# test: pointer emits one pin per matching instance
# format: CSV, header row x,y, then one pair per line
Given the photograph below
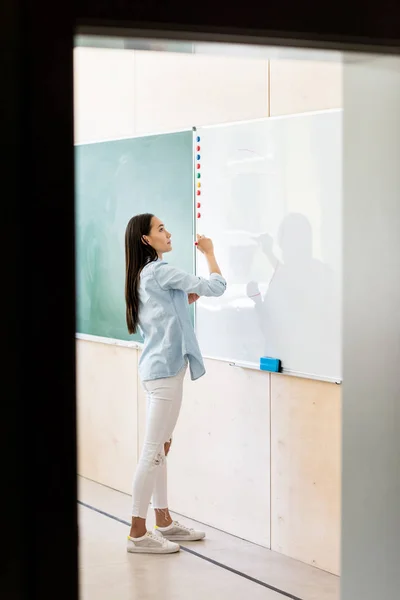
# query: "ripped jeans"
x,y
164,399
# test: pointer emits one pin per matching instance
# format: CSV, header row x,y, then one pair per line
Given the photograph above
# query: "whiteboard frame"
x,y
133,137
268,119
86,337
245,365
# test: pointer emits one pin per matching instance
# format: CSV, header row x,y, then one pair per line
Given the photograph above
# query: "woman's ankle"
x,y
138,527
163,518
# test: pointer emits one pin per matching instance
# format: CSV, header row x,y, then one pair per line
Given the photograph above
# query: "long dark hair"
x,y
137,255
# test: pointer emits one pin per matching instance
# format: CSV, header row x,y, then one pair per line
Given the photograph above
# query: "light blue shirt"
x,y
164,320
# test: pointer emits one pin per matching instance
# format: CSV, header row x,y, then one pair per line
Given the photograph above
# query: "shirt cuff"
x,y
217,277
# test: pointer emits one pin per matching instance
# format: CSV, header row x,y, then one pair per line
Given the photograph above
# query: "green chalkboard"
x,y
114,181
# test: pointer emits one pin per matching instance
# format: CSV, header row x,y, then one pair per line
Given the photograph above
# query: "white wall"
x,y
229,413
306,470
304,85
121,93
103,94
371,393
179,91
107,384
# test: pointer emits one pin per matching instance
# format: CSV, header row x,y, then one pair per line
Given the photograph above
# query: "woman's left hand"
x,y
193,298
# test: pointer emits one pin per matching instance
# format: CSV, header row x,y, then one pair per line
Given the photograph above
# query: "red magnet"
x,y
198,205
198,215
198,192
198,165
198,149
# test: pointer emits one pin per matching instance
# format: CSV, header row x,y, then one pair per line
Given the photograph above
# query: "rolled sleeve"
x,y
171,278
218,284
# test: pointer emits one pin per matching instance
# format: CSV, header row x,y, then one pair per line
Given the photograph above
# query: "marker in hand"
x,y
199,237
206,247
204,244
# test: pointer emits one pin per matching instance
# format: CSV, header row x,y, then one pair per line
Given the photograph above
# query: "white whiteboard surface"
x,y
271,200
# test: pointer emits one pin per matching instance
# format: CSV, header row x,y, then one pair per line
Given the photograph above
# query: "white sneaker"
x,y
179,533
151,544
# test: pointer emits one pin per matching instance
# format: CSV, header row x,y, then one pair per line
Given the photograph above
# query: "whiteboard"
x,y
271,200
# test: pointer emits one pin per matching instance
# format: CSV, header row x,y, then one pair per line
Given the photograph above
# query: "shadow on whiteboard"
x,y
293,315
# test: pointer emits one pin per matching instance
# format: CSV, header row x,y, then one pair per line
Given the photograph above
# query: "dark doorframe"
x,y
38,433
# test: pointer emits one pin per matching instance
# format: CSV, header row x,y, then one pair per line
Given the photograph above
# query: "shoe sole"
x,y
181,538
153,550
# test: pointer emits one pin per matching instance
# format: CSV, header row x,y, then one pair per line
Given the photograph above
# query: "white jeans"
x,y
164,399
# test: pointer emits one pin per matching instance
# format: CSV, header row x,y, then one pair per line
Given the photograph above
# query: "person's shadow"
x,y
299,315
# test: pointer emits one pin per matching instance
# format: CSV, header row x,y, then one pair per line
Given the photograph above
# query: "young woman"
x,y
157,298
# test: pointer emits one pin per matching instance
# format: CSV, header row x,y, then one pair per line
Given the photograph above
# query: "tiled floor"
x,y
108,572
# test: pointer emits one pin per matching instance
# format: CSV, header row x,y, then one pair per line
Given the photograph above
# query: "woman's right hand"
x,y
206,247
204,244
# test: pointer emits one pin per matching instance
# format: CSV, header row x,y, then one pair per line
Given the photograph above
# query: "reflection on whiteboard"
x,y
271,201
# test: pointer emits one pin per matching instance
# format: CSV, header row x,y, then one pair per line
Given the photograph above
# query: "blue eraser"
x,y
270,364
